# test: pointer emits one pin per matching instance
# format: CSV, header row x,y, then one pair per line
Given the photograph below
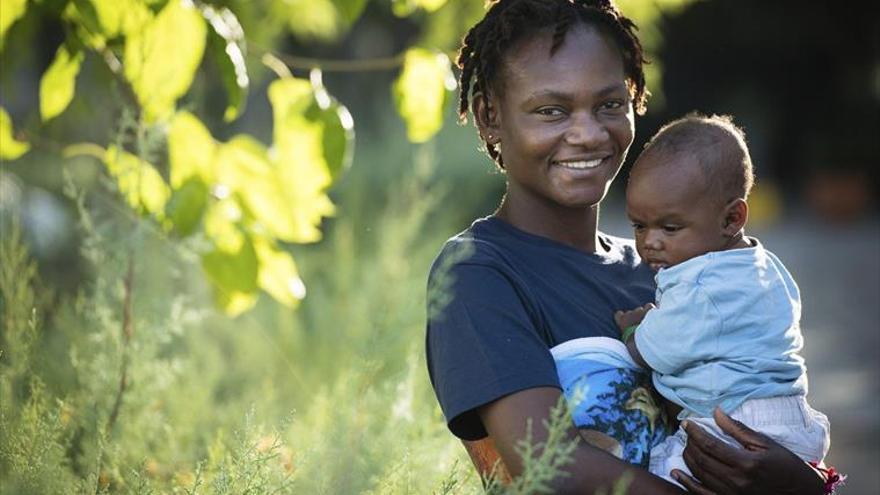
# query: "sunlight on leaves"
x,y
161,59
10,148
187,205
59,81
338,127
313,19
100,20
140,183
323,20
10,11
298,155
190,150
420,92
404,8
221,224
278,275
243,167
234,276
227,45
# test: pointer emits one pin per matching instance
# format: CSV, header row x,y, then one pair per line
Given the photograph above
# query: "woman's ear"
x,y
736,214
487,118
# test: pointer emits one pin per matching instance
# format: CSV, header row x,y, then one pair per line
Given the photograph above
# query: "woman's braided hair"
x,y
507,21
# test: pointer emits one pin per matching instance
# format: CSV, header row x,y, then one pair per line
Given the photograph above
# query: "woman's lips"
x,y
579,164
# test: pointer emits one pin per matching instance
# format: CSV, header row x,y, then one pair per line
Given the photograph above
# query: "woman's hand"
x,y
761,466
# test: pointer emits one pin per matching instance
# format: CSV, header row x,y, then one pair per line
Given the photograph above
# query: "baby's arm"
x,y
633,317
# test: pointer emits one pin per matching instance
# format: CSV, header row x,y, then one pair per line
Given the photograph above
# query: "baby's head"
x,y
687,190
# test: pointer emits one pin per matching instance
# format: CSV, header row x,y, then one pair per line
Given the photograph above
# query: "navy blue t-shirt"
x,y
499,298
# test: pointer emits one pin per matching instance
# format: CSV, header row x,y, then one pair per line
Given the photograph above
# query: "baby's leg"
x,y
787,420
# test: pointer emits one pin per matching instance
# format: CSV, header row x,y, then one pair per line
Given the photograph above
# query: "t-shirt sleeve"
x,y
482,344
684,329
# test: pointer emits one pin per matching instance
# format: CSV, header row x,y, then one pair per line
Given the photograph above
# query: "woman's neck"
x,y
575,227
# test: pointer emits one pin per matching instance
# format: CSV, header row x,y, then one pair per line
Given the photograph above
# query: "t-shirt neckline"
x,y
604,240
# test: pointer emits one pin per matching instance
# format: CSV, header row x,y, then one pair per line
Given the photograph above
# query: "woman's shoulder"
x,y
482,243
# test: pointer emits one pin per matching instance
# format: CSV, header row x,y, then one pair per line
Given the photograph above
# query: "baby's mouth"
x,y
657,265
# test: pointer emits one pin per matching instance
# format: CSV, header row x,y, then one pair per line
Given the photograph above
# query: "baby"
x,y
725,331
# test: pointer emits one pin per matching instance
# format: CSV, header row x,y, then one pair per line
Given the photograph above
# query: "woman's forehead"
x,y
585,57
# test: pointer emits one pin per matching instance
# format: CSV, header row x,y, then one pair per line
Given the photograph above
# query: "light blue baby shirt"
x,y
726,329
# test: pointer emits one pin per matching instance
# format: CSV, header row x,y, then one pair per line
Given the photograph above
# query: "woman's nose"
x,y
585,130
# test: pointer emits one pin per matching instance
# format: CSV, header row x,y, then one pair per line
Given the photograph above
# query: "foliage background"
x,y
330,395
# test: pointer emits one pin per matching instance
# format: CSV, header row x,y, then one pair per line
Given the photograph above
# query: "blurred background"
x,y
130,376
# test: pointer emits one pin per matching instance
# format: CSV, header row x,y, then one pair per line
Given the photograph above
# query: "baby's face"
x,y
673,212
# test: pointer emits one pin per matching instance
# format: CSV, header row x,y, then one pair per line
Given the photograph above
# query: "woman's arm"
x,y
762,466
505,419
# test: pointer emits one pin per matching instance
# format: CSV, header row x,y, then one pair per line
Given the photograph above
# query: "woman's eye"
x,y
550,111
613,105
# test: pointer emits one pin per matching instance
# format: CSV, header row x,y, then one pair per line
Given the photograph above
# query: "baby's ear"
x,y
736,214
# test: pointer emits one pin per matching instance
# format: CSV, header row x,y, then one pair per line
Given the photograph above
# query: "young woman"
x,y
553,86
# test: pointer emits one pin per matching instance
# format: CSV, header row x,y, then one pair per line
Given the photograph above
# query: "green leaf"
x,y
100,20
244,169
234,303
278,275
350,10
403,8
227,45
222,220
162,58
234,276
420,92
337,128
187,206
59,81
10,11
301,169
324,20
140,183
10,148
191,150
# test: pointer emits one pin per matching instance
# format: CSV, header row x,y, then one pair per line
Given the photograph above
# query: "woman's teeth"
x,y
581,164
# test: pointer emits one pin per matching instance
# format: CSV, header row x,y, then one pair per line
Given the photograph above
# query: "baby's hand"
x,y
626,319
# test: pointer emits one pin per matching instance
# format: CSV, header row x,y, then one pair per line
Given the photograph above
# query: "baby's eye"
x,y
669,229
638,227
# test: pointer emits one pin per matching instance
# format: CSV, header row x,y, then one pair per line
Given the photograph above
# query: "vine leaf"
x,y
191,150
324,20
59,81
278,275
161,59
299,159
140,183
10,148
403,8
187,206
338,127
10,11
420,92
98,21
231,265
227,45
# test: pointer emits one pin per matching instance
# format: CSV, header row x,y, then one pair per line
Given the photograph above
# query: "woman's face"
x,y
564,122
